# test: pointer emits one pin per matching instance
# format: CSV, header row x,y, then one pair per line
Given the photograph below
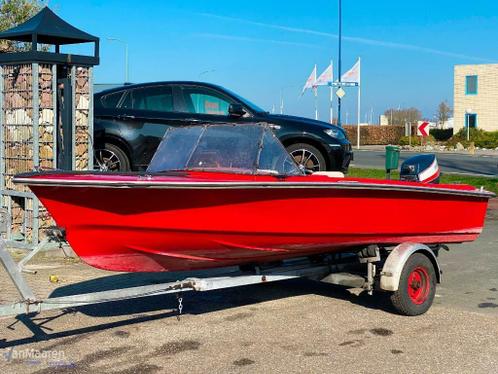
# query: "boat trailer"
x,y
330,269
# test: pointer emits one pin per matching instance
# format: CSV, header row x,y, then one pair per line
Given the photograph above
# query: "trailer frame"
x,y
324,270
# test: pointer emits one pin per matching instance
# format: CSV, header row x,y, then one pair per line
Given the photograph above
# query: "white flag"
x,y
310,83
326,77
353,74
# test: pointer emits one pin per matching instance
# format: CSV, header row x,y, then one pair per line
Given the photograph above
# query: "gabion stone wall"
x,y
17,123
29,138
46,118
82,110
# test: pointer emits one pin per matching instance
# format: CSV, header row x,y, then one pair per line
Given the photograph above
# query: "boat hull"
x,y
187,227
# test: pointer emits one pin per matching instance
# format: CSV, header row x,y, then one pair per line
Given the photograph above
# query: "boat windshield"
x,y
241,149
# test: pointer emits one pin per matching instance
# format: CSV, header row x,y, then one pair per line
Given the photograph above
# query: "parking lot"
x,y
293,326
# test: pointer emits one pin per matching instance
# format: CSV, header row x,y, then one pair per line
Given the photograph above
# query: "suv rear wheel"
x,y
308,156
110,158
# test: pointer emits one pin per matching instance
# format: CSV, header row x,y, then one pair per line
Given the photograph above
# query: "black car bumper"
x,y
340,157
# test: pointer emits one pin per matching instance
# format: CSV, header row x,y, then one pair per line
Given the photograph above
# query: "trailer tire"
x,y
417,286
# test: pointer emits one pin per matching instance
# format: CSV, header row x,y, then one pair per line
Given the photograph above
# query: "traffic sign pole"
x,y
339,123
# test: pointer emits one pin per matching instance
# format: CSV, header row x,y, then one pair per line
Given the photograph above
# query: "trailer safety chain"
x,y
180,305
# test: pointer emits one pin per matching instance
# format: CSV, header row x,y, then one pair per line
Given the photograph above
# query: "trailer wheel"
x,y
417,286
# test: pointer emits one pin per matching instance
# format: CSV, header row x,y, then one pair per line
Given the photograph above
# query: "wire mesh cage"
x,y
28,140
81,116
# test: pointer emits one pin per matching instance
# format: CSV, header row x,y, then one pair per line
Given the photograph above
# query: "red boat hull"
x,y
174,224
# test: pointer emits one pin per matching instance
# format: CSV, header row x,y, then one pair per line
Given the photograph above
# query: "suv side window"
x,y
111,100
158,98
201,100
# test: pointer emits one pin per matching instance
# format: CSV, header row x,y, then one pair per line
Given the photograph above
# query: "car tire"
x,y
308,156
111,158
417,286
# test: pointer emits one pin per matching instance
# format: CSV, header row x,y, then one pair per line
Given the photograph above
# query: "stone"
x,y
46,100
46,152
47,116
472,148
459,147
83,103
81,149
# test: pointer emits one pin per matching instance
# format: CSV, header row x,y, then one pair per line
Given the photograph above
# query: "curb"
x,y
381,149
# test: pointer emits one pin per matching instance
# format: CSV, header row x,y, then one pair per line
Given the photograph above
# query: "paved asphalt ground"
x,y
287,327
449,162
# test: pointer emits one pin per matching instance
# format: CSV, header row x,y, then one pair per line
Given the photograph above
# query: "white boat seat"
x,y
330,174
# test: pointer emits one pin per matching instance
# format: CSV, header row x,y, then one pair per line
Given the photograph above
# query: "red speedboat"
x,y
224,195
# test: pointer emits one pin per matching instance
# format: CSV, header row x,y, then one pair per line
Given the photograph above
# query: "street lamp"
x,y
467,122
126,57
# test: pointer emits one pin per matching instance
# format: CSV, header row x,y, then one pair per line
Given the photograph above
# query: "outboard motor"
x,y
421,168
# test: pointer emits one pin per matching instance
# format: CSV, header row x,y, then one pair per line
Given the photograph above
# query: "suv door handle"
x,y
125,116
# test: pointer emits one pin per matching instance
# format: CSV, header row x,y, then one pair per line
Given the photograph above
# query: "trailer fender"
x,y
395,262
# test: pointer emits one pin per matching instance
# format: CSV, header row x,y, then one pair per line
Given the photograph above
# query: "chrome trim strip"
x,y
245,185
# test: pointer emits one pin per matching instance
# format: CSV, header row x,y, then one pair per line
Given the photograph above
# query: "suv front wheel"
x,y
308,156
110,158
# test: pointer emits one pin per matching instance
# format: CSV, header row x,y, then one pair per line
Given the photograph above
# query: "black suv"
x,y
131,120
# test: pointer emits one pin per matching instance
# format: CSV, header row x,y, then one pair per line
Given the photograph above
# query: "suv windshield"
x,y
247,149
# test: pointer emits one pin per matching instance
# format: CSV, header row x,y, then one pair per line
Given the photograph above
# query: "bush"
x,y
441,135
416,140
480,138
404,140
379,135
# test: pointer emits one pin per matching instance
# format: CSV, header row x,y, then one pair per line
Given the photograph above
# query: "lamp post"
x,y
339,64
127,77
467,122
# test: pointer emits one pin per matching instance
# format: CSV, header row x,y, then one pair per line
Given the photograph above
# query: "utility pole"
x,y
339,123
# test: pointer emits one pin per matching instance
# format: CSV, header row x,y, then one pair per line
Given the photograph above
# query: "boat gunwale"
x,y
337,184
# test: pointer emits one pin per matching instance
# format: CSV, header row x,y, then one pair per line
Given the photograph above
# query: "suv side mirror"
x,y
236,110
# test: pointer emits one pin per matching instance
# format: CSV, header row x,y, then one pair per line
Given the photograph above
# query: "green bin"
x,y
392,157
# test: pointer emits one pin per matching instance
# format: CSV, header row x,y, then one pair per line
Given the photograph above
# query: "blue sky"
x,y
260,48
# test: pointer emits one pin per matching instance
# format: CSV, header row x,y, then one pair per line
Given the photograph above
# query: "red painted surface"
x,y
169,223
419,285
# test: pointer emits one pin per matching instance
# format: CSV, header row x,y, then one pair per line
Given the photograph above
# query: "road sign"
x,y
422,129
340,93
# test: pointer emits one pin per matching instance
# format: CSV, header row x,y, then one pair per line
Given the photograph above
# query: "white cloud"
x,y
251,39
353,39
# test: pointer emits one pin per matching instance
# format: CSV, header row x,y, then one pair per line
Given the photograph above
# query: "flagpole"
x,y
359,104
331,104
332,94
315,91
281,101
339,64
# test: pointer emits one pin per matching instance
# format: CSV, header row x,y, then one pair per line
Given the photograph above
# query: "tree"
x,y
13,13
443,113
402,116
